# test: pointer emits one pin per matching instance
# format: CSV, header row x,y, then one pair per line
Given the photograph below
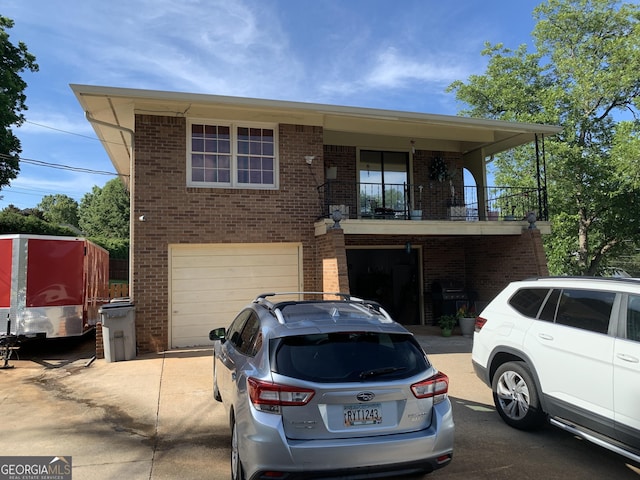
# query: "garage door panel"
x,y
207,251
203,305
244,295
211,283
266,258
237,271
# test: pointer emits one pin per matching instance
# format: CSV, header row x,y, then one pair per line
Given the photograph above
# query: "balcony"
x,y
433,202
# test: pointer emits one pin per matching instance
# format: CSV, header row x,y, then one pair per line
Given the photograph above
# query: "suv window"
x,y
528,301
633,318
586,309
348,356
251,336
549,311
244,332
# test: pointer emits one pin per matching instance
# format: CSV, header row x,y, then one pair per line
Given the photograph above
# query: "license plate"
x,y
362,414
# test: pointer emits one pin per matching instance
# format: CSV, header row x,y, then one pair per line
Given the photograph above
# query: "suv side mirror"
x,y
218,334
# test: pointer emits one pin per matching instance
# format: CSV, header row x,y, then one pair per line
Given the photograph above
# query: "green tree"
x,y
584,77
14,61
104,212
13,221
59,210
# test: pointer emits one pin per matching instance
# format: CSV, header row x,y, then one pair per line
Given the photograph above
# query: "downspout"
x,y
131,216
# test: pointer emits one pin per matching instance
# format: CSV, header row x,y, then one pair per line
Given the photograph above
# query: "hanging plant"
x,y
439,170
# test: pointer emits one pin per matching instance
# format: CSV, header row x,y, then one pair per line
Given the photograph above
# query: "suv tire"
x,y
516,397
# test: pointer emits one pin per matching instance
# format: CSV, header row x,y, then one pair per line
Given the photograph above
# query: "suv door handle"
x,y
545,336
628,358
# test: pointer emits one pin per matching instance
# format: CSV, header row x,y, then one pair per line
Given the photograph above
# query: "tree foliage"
x,y
104,212
12,221
14,60
59,209
584,77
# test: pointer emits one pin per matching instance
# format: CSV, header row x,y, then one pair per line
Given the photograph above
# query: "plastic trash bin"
x,y
118,331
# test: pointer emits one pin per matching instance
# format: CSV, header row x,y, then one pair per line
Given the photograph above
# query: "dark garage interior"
x,y
389,276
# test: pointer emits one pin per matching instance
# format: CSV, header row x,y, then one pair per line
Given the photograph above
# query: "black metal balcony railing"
x,y
418,202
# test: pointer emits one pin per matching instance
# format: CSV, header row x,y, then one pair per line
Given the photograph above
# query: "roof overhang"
x,y
112,111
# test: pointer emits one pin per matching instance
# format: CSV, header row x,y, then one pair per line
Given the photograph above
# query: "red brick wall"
x,y
333,261
343,191
177,214
99,341
435,194
496,261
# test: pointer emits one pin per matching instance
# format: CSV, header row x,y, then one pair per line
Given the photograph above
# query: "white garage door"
x,y
211,283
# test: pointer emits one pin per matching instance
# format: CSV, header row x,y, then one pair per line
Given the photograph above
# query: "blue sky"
x,y
369,53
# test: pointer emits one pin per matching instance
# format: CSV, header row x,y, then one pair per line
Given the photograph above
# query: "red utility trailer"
x,y
51,286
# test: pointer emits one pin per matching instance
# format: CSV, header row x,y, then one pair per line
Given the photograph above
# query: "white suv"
x,y
566,349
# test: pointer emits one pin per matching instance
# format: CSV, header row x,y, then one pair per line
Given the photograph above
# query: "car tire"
x,y
516,397
216,390
237,473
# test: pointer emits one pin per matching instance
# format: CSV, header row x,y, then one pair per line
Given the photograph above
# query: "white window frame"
x,y
233,129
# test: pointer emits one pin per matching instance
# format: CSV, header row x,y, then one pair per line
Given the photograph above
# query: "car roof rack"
x,y
346,297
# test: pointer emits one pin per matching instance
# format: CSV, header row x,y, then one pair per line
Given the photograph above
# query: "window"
x,y
549,311
233,334
244,333
228,155
348,356
633,318
586,309
529,300
383,179
249,343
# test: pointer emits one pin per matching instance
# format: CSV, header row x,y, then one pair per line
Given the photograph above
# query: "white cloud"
x,y
394,70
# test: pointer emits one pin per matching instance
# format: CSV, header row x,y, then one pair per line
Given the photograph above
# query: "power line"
x,y
60,166
72,133
63,131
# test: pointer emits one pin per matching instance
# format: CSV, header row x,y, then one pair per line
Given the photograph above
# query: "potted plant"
x,y
447,322
467,320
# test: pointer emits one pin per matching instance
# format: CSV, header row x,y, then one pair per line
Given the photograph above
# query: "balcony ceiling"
x,y
111,111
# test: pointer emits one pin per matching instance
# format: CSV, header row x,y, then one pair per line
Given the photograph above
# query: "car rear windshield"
x,y
348,356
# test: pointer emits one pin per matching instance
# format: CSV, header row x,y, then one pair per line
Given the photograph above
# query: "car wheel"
x,y
236,465
216,390
516,397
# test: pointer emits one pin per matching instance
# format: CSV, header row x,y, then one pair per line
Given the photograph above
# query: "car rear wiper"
x,y
380,371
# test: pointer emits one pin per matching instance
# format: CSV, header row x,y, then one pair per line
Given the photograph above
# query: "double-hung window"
x,y
232,155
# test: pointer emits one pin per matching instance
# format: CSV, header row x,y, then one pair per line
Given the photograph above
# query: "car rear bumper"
x,y
388,471
397,454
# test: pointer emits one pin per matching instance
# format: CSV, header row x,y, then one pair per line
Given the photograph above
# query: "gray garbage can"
x,y
118,331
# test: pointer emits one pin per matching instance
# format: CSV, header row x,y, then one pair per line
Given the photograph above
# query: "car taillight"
x,y
269,396
480,323
436,387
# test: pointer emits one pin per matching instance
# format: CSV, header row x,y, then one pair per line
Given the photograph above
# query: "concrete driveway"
x,y
154,418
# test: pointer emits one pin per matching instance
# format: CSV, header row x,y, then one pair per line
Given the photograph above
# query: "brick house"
x,y
233,197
